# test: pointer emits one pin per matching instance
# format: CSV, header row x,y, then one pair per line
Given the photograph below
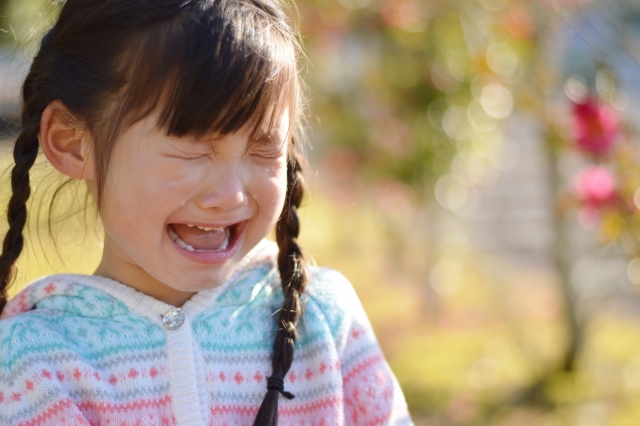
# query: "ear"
x,y
65,143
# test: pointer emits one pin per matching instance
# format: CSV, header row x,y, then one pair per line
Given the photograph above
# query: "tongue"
x,y
200,239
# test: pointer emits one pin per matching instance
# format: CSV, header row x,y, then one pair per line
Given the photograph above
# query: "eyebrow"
x,y
269,137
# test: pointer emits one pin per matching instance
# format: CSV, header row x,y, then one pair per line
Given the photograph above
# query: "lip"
x,y
213,257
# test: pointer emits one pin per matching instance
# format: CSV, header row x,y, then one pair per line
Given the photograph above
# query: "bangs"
x,y
212,71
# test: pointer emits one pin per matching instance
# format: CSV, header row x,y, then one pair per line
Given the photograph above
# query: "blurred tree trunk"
x,y
546,82
561,252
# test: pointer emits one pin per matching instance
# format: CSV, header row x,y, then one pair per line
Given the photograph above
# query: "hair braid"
x,y
25,152
291,264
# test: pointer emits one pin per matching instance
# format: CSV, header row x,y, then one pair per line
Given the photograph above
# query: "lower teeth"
x,y
188,247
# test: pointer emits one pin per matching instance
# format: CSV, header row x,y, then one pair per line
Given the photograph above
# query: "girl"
x,y
181,117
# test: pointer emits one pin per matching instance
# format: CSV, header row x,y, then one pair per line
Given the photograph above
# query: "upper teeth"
x,y
204,228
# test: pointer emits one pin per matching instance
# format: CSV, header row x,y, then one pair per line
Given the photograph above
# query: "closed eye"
x,y
273,154
187,149
267,149
189,157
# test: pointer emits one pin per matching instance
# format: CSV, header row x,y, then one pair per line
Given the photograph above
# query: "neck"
x,y
117,267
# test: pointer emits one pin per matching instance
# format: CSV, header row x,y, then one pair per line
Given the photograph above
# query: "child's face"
x,y
161,191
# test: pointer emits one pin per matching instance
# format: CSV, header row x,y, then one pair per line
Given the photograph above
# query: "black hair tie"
x,y
278,384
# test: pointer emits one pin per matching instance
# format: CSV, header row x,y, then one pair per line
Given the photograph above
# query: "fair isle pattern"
x,y
82,350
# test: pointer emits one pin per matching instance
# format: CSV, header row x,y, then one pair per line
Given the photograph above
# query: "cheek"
x,y
135,203
271,191
280,191
155,184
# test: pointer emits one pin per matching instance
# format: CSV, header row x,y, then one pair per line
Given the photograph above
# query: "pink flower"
x,y
595,187
596,126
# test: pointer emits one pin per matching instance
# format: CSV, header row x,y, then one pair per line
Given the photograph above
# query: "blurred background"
x,y
473,167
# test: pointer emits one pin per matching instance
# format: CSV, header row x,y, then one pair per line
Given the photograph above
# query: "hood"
x,y
68,293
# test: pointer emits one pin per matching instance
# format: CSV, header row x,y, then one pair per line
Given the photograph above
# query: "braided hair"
x,y
25,151
291,265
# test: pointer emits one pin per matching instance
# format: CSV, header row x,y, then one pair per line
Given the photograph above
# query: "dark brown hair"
x,y
207,67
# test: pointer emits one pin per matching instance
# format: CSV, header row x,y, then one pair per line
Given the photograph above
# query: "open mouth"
x,y
197,238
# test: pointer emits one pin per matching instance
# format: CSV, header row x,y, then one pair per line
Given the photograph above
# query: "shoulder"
x,y
29,328
27,337
58,319
331,301
65,293
330,289
43,330
37,360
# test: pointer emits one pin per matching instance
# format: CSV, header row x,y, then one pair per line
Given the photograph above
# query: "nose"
x,y
225,193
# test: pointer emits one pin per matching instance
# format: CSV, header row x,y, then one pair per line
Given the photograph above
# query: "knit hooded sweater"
x,y
86,350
